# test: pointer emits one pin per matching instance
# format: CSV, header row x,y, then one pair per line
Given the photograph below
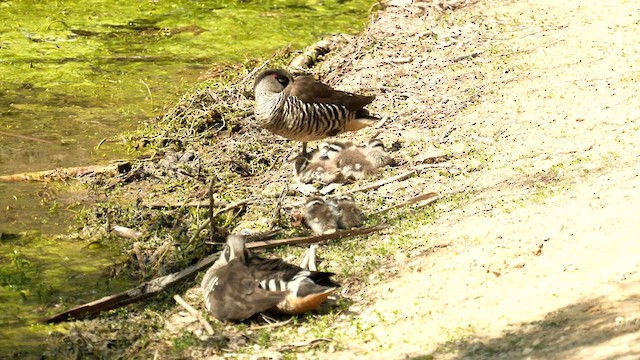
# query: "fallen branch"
x,y
382,182
420,168
270,234
61,173
25,137
140,292
164,204
311,55
155,286
265,244
194,313
431,197
272,325
312,342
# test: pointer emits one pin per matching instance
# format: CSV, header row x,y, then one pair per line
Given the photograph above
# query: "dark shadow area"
x,y
565,333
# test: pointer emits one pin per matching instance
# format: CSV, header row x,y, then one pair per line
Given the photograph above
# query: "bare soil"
x,y
542,260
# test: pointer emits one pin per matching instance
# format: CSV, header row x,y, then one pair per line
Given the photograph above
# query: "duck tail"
x,y
361,122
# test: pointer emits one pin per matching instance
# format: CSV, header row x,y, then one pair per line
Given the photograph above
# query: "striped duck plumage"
x,y
241,284
307,288
346,211
304,109
331,149
319,216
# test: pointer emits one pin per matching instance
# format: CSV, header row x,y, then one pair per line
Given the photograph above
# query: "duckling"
x,y
230,290
346,211
351,159
308,288
353,162
331,149
377,154
304,109
319,216
316,169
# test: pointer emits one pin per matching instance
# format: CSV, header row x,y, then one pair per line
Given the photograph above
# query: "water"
x,y
77,74
40,276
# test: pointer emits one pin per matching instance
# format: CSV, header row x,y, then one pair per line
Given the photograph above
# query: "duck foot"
x,y
309,260
268,319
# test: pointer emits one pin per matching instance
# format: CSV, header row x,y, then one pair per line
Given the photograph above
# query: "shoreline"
x,y
498,266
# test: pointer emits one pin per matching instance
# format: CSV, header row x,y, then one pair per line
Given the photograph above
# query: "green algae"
x,y
39,276
76,73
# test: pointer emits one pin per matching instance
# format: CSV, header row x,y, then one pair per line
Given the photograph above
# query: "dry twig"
x,y
315,238
431,197
212,230
382,182
62,173
275,218
166,204
381,123
206,223
272,325
312,342
254,71
136,250
194,313
233,206
420,168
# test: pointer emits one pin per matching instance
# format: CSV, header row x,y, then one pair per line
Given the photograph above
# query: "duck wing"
x,y
237,295
309,90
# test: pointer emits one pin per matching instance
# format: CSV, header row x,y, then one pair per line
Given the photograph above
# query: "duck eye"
x,y
281,79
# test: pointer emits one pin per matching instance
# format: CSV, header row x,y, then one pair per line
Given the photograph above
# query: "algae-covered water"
x,y
39,276
76,74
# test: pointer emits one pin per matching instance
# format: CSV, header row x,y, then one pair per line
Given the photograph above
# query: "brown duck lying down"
x,y
304,109
240,284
